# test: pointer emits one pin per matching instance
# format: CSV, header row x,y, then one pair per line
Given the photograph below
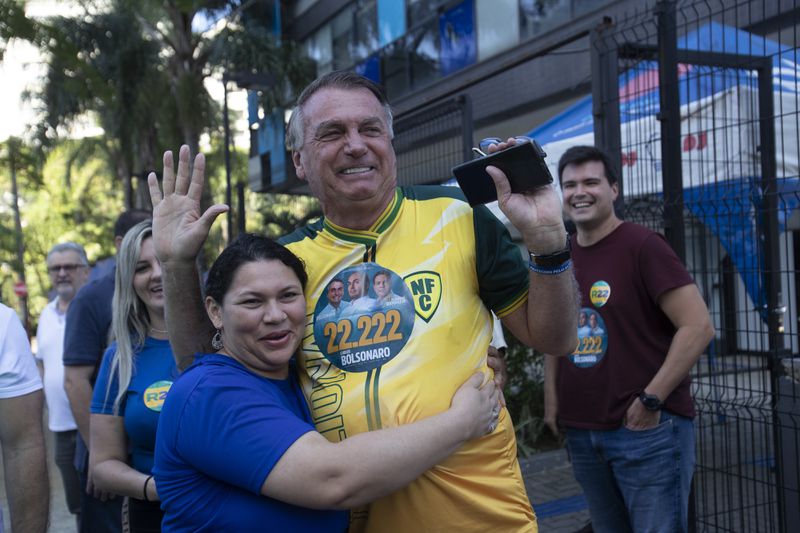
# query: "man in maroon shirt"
x,y
623,396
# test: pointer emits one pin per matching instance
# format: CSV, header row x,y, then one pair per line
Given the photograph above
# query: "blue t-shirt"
x,y
88,320
222,430
153,374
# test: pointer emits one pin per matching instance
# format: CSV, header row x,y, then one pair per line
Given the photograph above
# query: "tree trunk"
x,y
23,300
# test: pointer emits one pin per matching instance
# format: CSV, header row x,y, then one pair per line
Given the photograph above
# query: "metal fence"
x,y
698,102
430,141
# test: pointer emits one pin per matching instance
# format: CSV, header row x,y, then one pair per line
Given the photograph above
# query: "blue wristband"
x,y
550,271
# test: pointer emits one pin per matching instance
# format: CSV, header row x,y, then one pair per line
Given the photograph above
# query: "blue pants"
x,y
636,481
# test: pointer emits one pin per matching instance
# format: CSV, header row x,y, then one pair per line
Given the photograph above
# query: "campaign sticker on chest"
x,y
155,394
600,293
592,339
364,318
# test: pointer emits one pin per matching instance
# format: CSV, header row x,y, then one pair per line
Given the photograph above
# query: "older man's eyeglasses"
x,y
69,269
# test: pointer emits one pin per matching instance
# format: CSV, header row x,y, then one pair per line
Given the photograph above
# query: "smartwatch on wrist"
x,y
650,401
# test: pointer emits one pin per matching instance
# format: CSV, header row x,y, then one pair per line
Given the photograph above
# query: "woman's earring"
x,y
216,340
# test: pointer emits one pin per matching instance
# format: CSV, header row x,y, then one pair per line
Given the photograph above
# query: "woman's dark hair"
x,y
248,248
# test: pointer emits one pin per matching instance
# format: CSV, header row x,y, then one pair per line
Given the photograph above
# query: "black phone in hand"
x,y
522,163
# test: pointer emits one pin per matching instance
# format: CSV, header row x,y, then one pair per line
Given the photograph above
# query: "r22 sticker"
x,y
592,339
155,394
600,293
364,318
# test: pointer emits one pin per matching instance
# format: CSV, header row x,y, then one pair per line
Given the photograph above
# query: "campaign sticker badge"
x,y
155,394
592,339
364,317
426,290
600,293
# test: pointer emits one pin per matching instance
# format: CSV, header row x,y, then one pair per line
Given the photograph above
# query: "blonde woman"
x,y
137,371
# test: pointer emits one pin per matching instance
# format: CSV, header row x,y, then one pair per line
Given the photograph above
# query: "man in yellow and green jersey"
x,y
392,366
377,365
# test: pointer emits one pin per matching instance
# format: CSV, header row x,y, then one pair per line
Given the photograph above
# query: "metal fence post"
x,y
670,116
605,101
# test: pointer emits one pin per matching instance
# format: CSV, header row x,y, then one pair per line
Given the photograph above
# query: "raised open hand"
x,y
179,229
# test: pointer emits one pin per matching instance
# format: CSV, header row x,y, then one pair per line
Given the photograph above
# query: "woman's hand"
x,y
476,406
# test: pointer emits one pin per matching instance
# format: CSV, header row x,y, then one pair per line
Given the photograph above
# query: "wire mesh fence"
x,y
430,141
703,123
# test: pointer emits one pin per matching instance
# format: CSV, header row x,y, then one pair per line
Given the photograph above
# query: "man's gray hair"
x,y
69,246
338,79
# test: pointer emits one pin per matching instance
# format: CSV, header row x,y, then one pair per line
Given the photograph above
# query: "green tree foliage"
x,y
70,196
103,65
13,24
525,398
273,215
140,68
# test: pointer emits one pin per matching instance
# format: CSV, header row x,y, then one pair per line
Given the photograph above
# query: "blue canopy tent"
x,y
720,167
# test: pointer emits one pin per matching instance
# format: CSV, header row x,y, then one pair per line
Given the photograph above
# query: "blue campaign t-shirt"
x,y
153,374
222,430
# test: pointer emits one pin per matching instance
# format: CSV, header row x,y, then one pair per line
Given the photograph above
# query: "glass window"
x,y
318,48
394,66
423,49
365,38
342,38
498,26
540,16
391,21
457,38
584,6
420,10
370,68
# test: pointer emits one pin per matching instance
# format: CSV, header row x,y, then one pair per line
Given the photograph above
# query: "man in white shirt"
x,y
21,435
68,268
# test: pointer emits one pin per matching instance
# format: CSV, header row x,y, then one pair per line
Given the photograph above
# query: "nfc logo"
x,y
426,291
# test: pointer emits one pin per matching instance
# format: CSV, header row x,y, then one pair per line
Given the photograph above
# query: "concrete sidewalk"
x,y
556,497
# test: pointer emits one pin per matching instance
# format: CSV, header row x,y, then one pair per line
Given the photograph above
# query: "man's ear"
x,y
299,170
214,311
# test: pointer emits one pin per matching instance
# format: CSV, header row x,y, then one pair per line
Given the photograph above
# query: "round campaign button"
x,y
364,317
155,394
592,339
600,293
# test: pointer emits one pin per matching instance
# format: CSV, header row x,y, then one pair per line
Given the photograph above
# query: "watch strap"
x,y
555,259
651,402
